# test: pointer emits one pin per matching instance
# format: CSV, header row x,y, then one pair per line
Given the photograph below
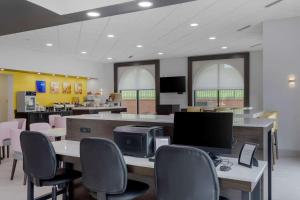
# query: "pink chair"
x,y
5,140
21,123
39,127
16,147
60,122
51,120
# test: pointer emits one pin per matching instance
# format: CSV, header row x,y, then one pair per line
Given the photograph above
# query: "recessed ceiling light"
x,y
145,4
160,53
194,24
110,36
139,46
83,52
2,69
212,38
93,14
109,58
49,44
224,47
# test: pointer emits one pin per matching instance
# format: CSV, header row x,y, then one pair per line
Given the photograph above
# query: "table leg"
x,y
257,193
30,190
246,195
270,165
70,189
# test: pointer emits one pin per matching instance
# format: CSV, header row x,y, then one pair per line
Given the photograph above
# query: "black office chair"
x,y
185,173
40,165
104,171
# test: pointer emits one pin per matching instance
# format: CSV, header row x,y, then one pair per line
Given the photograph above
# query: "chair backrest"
x,y
15,139
39,157
194,109
51,120
103,166
60,122
5,128
21,123
185,173
39,126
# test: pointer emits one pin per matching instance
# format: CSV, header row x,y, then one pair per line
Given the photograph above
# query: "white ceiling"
x,y
160,30
64,7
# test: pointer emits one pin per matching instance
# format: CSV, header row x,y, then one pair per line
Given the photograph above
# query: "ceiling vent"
x,y
256,45
273,3
243,28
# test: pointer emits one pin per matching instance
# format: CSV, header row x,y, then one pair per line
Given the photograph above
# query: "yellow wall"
x,y
26,81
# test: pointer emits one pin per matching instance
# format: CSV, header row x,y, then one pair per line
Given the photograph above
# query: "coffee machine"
x,y
26,101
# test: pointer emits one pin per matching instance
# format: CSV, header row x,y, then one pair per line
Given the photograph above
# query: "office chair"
x,y
40,165
104,171
185,173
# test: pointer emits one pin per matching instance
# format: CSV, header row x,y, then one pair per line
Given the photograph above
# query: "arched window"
x,y
218,83
137,84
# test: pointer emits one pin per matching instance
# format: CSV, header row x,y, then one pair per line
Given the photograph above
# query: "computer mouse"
x,y
224,168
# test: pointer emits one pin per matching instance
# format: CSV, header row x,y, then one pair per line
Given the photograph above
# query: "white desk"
x,y
248,178
55,132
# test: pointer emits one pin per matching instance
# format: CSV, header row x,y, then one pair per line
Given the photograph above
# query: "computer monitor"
x,y
211,132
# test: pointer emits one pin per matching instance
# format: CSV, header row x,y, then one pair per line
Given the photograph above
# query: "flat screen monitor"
x,y
211,132
174,84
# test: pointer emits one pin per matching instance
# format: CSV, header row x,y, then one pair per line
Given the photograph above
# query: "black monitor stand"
x,y
216,159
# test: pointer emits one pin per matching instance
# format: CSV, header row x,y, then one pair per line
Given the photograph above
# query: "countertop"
x,y
237,122
97,108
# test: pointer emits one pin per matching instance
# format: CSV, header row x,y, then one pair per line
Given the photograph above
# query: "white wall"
x,y
178,67
281,58
256,79
174,67
21,59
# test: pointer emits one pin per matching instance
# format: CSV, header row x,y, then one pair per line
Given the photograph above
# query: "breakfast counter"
x,y
95,110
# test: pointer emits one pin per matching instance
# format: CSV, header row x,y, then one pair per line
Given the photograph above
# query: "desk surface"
x,y
98,108
238,172
166,119
55,132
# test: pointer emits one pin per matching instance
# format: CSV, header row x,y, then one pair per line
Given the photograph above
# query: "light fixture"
x,y
93,14
83,52
194,24
224,47
160,53
110,36
39,73
145,4
292,80
139,46
49,44
212,38
109,58
1,69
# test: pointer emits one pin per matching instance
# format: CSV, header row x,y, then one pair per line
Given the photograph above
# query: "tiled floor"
x,y
286,181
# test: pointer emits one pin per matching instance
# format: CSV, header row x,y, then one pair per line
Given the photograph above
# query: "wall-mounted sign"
x,y
54,87
41,86
78,88
67,88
